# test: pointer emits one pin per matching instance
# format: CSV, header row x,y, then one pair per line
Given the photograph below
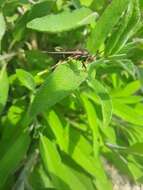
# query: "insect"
x,y
82,55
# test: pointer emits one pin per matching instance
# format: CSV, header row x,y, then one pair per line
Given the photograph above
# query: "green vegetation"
x,y
71,93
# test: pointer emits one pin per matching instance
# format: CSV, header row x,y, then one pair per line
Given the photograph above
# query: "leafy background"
x,y
62,117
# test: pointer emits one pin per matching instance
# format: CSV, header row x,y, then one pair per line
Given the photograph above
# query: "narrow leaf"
x,y
4,88
131,28
93,123
105,100
130,89
127,113
57,128
105,24
116,34
2,27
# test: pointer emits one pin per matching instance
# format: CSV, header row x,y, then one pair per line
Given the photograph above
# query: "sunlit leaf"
x,y
54,23
81,152
2,27
61,174
105,100
4,87
105,24
59,84
127,113
57,127
26,79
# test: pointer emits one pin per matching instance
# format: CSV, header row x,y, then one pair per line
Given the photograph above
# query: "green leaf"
x,y
59,84
130,99
4,87
105,24
139,108
129,66
81,152
131,28
39,180
60,22
13,156
2,27
93,123
57,128
140,75
105,100
135,170
2,2
116,34
135,149
130,89
61,175
26,79
11,125
86,179
76,3
127,113
86,2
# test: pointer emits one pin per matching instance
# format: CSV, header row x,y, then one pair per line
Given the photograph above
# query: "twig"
x,y
20,10
67,52
34,43
7,56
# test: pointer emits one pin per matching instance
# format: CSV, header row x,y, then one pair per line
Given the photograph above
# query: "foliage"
x,y
71,93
